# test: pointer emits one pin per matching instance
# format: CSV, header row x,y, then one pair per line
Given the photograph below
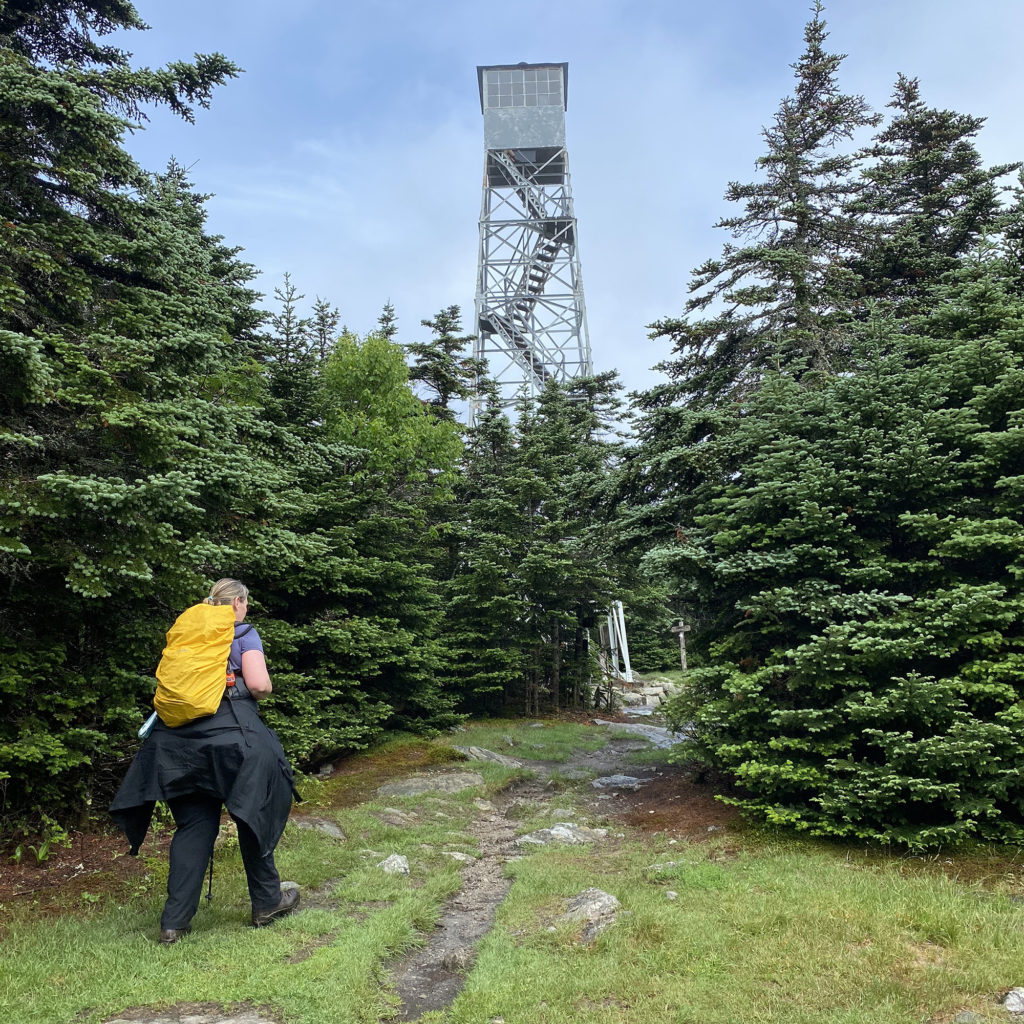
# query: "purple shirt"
x,y
246,639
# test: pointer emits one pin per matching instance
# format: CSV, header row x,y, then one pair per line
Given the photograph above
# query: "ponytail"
x,y
225,591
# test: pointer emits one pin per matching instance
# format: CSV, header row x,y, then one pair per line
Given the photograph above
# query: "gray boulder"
x,y
1014,1001
482,754
396,864
595,908
563,832
619,782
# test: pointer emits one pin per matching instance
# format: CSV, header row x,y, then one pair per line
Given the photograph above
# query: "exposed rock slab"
x,y
659,737
431,977
328,828
619,782
396,818
190,1013
482,754
449,782
563,832
596,909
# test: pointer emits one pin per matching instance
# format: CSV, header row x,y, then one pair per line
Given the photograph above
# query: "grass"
x,y
545,741
781,932
763,930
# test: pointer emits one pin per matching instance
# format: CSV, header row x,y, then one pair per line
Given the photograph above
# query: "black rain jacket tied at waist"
x,y
230,754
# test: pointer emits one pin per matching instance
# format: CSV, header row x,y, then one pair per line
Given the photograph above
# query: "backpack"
x,y
192,673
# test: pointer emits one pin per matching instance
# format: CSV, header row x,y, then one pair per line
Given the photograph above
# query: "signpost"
x,y
682,629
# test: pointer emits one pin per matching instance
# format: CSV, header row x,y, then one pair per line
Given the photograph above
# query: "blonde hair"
x,y
225,591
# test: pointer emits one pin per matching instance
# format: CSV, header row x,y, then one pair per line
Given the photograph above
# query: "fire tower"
x,y
530,319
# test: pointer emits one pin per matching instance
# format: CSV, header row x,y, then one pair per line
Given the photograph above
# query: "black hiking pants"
x,y
197,822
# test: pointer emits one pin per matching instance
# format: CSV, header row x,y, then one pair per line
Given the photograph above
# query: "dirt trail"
x,y
433,976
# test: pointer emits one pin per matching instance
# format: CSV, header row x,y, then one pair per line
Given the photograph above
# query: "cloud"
x,y
350,152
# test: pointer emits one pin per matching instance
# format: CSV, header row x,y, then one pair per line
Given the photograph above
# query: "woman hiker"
x,y
226,758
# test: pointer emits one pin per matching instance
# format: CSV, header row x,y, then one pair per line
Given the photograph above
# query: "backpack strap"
x,y
232,677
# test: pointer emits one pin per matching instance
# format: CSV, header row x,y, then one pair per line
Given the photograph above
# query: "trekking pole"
x,y
209,890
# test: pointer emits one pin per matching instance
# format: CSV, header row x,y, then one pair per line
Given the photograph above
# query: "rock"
x,y
449,782
1014,1001
396,864
629,699
562,812
482,754
459,959
659,737
671,894
228,833
565,832
651,691
595,908
325,771
536,725
968,1018
483,805
640,709
328,828
619,782
393,816
462,858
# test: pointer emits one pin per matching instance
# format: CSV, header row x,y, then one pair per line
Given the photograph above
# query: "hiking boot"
x,y
168,936
289,901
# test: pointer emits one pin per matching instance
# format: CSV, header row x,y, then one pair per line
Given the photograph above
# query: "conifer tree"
x,y
439,364
324,327
485,633
775,300
291,359
925,199
857,591
387,322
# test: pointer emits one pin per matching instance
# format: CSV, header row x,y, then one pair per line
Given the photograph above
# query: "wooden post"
x,y
682,629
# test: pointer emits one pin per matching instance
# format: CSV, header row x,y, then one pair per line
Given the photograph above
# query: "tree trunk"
x,y
556,666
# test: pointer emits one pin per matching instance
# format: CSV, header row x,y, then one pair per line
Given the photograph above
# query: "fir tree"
x,y
484,631
387,322
324,327
856,586
775,300
925,196
291,358
439,364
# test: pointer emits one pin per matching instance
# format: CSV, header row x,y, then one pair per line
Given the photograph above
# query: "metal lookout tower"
x,y
530,319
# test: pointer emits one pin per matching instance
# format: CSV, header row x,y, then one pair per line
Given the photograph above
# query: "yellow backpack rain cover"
x,y
192,672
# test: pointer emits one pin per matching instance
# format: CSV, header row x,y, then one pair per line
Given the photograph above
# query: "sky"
x,y
350,151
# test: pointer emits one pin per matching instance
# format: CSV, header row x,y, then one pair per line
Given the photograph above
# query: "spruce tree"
x,y
485,633
439,364
925,198
777,299
857,591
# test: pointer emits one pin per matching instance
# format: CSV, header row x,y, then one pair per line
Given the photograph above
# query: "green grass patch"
x,y
785,933
544,741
